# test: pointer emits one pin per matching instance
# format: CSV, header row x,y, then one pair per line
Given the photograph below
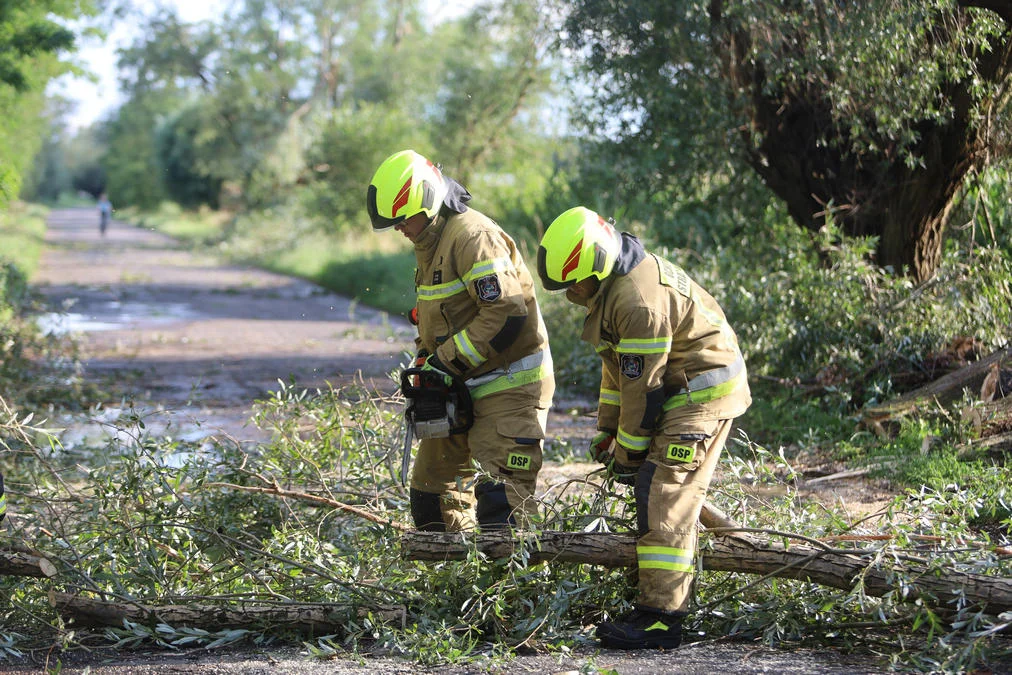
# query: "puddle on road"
x,y
193,431
114,315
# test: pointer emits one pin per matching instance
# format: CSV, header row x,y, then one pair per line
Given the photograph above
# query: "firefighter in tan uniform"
x,y
478,320
672,381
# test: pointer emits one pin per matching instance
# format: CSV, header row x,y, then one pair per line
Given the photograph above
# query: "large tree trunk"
x,y
867,192
825,566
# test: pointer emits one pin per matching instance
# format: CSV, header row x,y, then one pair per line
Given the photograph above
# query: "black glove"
x,y
623,474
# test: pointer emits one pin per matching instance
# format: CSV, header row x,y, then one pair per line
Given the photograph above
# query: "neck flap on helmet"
x,y
631,255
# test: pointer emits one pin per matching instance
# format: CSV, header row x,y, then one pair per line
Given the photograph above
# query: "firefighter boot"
x,y
642,629
425,511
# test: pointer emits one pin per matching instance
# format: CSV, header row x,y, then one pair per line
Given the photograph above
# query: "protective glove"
x,y
600,447
433,363
623,474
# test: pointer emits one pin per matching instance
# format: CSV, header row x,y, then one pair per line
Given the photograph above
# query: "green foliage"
x,y
835,108
156,520
31,41
351,143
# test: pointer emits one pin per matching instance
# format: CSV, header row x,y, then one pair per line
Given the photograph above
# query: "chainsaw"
x,y
434,410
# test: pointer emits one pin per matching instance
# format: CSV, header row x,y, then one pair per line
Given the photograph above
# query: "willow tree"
x,y
873,113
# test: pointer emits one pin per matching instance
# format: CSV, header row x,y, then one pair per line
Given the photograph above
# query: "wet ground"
x,y
191,343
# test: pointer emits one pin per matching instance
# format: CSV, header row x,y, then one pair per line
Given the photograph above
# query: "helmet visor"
x,y
379,222
549,283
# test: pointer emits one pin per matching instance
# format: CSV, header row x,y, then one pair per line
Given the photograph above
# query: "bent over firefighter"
x,y
672,381
479,325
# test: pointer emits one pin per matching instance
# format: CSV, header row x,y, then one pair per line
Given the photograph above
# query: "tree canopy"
x,y
30,41
869,114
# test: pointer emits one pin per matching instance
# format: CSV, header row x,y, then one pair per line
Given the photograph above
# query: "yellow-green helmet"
x,y
578,245
404,184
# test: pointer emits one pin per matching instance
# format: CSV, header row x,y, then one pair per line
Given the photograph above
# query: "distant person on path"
x,y
478,321
672,381
104,213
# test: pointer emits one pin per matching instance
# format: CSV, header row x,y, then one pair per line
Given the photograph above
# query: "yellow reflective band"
x,y
509,381
441,291
610,397
705,395
3,504
486,267
681,453
711,316
664,558
644,346
467,349
632,442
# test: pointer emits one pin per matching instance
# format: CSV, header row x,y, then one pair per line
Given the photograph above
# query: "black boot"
x,y
426,511
494,511
642,629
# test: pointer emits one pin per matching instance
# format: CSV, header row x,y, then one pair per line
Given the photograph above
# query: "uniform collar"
x,y
453,203
631,255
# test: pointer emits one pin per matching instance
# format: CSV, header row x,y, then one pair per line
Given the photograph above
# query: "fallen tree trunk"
x,y
315,619
835,568
944,390
990,417
22,564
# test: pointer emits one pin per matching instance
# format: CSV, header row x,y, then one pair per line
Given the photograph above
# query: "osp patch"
x,y
487,288
516,460
632,365
437,277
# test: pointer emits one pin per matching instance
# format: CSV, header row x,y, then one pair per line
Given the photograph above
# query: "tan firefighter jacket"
x,y
477,310
666,349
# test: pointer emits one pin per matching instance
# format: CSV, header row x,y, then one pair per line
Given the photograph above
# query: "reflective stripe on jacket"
x,y
665,345
476,306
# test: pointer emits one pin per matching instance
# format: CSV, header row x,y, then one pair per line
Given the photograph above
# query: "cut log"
x,y
316,619
21,564
992,417
738,553
944,390
997,448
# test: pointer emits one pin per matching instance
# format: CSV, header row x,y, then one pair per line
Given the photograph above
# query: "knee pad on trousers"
x,y
425,511
642,491
493,507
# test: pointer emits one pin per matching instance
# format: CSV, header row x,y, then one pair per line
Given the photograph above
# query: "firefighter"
x,y
672,381
478,320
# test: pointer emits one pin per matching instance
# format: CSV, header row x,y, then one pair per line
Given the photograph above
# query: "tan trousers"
x,y
505,441
670,490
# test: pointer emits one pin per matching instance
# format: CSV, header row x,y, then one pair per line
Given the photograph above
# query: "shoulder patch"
x,y
632,365
674,276
487,288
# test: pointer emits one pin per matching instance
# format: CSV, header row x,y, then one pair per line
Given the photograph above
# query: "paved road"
x,y
182,332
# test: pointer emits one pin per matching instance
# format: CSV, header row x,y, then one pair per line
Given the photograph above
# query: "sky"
x,y
94,100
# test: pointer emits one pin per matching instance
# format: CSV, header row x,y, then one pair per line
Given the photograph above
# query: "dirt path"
x,y
178,332
193,342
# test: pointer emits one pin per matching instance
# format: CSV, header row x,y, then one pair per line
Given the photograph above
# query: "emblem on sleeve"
x,y
632,365
488,288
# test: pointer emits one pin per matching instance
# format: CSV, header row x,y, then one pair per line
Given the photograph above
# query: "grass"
x,y
22,235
